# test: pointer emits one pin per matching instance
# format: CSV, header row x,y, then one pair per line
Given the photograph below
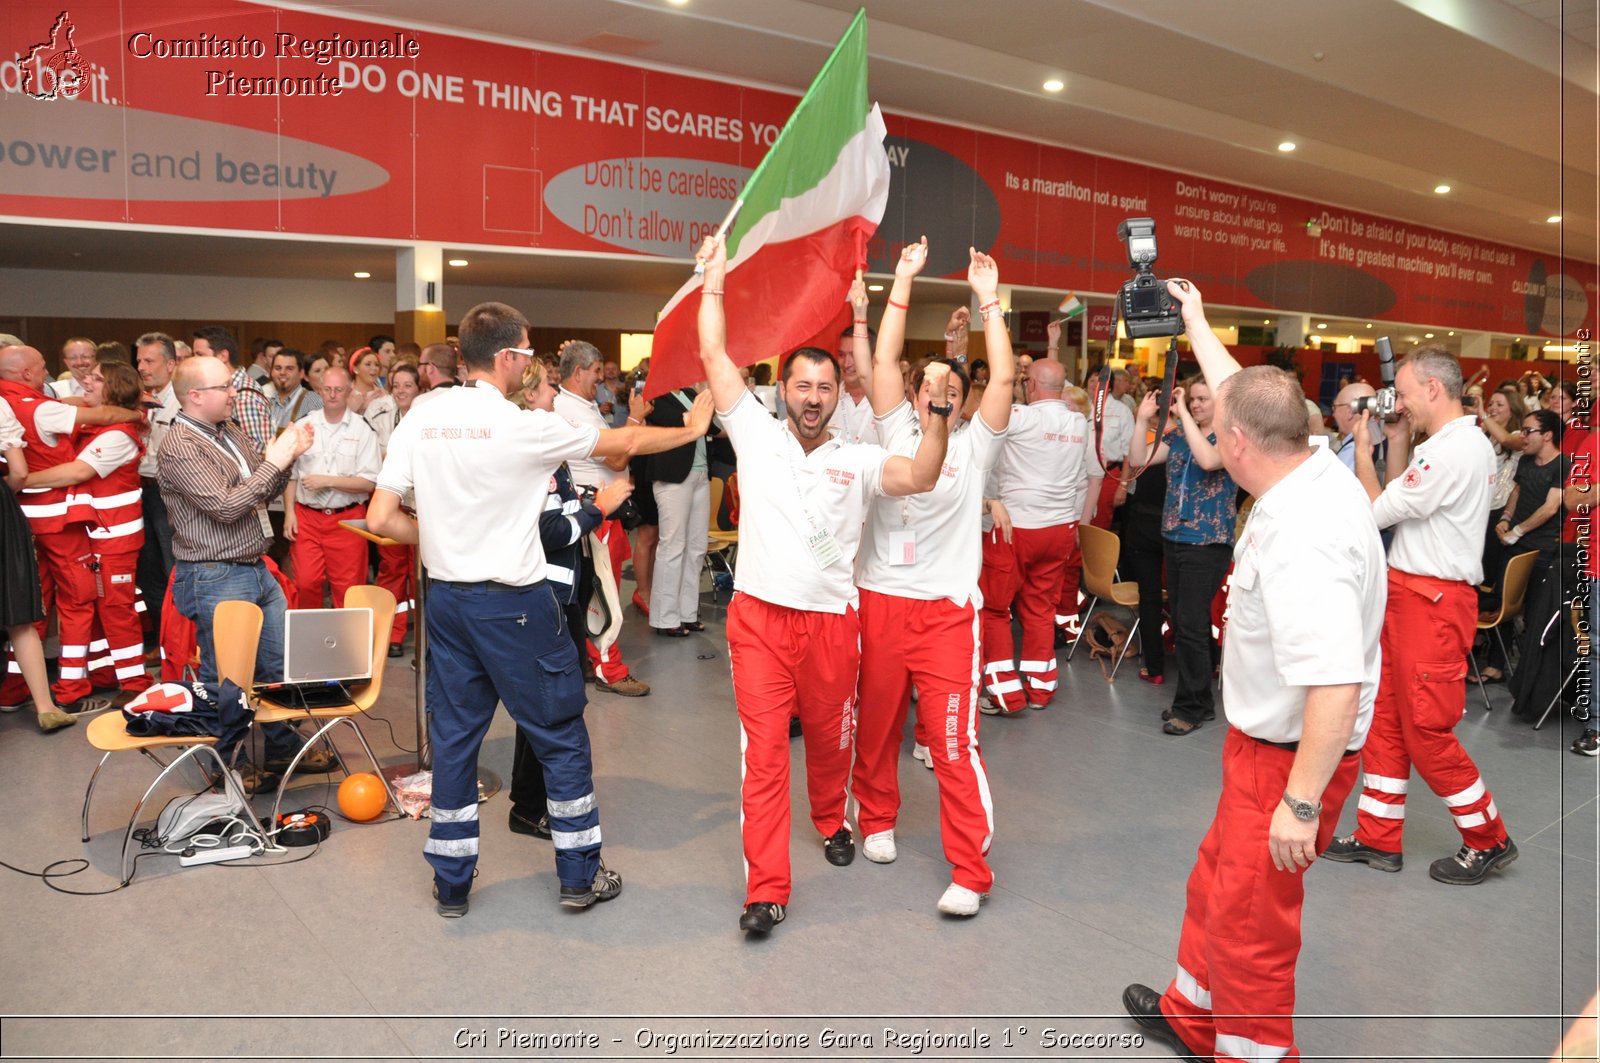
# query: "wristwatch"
x,y
1305,810
943,411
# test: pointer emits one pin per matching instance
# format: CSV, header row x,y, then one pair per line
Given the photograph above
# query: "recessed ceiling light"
x,y
1287,145
1450,333
678,3
362,275
1323,325
458,262
1266,321
1427,335
1441,189
1553,219
874,287
1054,85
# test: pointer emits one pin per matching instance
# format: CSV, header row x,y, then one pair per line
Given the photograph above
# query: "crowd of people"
x,y
900,520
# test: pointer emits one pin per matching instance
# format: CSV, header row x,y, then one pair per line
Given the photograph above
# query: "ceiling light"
x,y
1287,145
874,287
362,275
1427,335
1450,333
458,262
1441,189
678,3
1266,321
1552,219
1054,85
1323,325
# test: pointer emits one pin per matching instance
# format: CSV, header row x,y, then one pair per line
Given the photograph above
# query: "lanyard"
x,y
222,443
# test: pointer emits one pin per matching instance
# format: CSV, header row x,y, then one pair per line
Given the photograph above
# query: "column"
x,y
419,294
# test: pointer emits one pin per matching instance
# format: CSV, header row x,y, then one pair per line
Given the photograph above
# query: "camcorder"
x,y
1147,308
1381,405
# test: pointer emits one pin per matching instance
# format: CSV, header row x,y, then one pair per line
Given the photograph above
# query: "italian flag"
x,y
801,231
1071,306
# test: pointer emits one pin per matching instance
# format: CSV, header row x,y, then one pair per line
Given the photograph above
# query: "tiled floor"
x,y
1097,819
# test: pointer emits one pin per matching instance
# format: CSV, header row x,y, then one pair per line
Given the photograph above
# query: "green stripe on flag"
x,y
833,110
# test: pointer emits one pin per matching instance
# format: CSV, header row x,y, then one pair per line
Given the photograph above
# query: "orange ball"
x,y
361,797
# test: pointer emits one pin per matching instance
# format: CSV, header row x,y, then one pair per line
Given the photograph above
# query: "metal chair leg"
x,y
1562,689
229,782
325,732
1506,656
89,793
1083,625
1128,642
1478,677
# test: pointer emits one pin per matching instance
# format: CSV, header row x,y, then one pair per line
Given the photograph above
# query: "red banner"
x,y
233,116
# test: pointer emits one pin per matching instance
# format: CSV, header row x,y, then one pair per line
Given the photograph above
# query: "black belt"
x,y
218,561
330,512
1294,747
492,586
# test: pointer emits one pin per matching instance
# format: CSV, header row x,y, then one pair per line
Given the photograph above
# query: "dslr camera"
x,y
1147,308
1382,404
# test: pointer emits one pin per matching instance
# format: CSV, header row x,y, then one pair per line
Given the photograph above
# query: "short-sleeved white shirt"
x,y
11,433
785,495
1117,433
945,521
68,388
53,419
108,452
1306,601
478,465
586,472
1046,464
160,421
1439,505
854,422
347,447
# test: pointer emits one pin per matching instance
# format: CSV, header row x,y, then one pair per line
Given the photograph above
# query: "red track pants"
x,y
935,645
116,652
66,580
786,660
998,585
1422,694
396,574
1106,508
1233,996
1069,604
1042,555
323,552
609,667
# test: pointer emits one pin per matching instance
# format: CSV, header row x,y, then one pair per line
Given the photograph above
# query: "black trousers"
x,y
1143,551
1194,575
527,789
155,557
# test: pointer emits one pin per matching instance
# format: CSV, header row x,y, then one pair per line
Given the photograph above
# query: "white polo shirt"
x,y
854,422
943,526
1046,464
160,421
1305,605
347,447
586,472
789,499
54,419
108,452
1439,506
68,388
1117,433
476,463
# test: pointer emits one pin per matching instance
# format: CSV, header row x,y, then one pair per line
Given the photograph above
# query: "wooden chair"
x,y
1513,594
722,544
237,626
381,602
1101,550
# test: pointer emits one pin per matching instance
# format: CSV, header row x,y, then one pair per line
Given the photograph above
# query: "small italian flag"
x,y
803,223
1071,306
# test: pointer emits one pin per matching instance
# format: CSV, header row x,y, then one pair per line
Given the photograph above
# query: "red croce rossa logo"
x,y
67,71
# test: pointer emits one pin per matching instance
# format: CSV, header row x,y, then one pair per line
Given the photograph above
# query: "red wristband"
x,y
899,306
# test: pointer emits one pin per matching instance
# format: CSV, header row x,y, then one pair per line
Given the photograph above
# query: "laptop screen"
x,y
327,645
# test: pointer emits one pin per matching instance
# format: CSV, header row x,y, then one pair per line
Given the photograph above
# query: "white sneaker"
x,y
958,900
879,847
921,753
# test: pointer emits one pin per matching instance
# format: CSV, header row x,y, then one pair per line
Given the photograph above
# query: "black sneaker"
x,y
761,917
839,849
521,824
1348,850
1587,744
448,909
1471,866
1144,1004
606,885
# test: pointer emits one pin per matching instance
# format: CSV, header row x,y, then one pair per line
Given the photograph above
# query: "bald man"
x,y
1049,480
60,527
1344,420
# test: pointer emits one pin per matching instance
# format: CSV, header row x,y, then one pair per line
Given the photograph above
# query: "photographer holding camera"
x,y
1438,504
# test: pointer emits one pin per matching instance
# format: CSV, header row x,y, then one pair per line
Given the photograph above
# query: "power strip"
x,y
213,856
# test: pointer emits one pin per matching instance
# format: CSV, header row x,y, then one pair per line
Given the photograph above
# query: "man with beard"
x,y
793,633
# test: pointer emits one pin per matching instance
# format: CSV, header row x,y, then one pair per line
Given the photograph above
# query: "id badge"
x,y
903,547
266,522
823,548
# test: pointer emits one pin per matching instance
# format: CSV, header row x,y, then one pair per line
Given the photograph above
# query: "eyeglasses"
x,y
1533,431
527,352
215,387
334,391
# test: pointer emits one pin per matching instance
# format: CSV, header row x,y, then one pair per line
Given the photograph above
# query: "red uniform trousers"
x,y
786,660
998,585
1233,996
1042,555
609,666
116,651
396,574
323,552
65,579
1070,602
935,645
1422,694
1106,508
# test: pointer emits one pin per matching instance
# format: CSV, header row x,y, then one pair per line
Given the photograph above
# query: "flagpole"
x,y
722,230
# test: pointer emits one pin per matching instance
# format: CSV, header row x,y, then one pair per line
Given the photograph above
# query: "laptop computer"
x,y
325,651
